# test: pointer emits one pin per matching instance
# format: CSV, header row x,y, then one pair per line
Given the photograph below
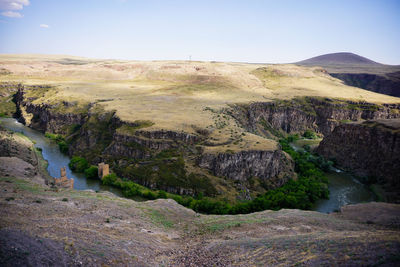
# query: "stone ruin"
x,y
104,170
64,182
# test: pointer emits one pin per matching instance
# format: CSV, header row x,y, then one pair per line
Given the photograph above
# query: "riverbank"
x,y
51,159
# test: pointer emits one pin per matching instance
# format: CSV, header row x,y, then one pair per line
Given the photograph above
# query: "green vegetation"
x,y
167,169
91,172
100,125
7,107
59,139
268,127
78,164
310,134
310,186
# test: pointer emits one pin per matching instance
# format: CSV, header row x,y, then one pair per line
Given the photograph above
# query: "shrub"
x,y
91,172
78,164
110,179
162,194
300,194
309,135
63,146
59,139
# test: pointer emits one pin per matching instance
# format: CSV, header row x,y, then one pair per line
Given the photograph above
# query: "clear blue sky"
x,y
249,31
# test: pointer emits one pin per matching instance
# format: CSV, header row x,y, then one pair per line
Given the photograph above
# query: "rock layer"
x,y
274,168
388,84
317,114
369,149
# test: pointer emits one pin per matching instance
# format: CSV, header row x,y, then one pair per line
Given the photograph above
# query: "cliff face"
x,y
133,151
319,115
15,145
388,84
274,168
370,148
142,144
43,117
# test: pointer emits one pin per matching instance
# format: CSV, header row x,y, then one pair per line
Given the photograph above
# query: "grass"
x,y
130,129
160,219
172,95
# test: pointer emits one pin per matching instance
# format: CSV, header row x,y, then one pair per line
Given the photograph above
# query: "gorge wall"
x,y
369,149
388,84
154,158
321,115
176,161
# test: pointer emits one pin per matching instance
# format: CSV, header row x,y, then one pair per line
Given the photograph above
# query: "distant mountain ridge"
x,y
338,58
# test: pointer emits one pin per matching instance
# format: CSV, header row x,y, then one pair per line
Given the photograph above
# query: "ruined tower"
x,y
103,170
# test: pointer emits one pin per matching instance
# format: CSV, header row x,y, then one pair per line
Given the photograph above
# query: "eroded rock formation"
x,y
369,149
274,168
317,114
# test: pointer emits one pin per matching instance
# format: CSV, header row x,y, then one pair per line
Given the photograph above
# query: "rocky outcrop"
x,y
317,114
44,117
15,145
274,168
142,144
369,149
388,84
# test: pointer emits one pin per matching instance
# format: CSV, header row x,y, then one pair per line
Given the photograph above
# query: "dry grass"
x,y
176,94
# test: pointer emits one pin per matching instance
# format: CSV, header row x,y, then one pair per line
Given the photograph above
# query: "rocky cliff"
x,y
46,117
388,84
321,115
274,168
17,145
369,149
133,150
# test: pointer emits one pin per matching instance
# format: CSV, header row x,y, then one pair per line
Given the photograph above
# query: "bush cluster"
x,y
62,144
310,134
78,164
310,186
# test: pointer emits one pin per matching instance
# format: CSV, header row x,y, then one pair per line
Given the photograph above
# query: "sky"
x,y
242,31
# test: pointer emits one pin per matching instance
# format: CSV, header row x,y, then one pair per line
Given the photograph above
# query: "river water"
x,y
344,189
55,158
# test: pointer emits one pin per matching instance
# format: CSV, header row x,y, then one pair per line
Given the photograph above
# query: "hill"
x,y
338,58
358,71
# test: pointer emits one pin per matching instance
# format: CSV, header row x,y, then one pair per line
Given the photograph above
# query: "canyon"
x,y
210,131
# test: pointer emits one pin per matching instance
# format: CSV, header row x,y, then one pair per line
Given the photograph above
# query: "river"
x,y
344,189
55,158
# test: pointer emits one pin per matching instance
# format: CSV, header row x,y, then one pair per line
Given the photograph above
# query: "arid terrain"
x,y
46,227
202,130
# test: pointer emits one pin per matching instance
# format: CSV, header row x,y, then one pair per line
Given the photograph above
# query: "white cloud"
x,y
9,5
13,4
12,14
44,26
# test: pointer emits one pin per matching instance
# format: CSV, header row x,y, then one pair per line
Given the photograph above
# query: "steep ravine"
x,y
134,152
154,158
369,149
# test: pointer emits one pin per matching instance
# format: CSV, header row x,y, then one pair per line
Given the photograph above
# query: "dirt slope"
x,y
45,227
